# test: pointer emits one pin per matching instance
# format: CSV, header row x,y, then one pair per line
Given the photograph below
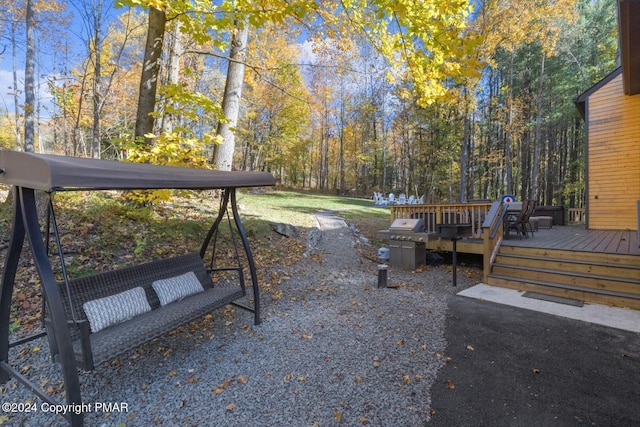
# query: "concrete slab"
x,y
614,317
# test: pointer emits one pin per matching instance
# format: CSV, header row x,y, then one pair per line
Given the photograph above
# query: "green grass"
x,y
296,208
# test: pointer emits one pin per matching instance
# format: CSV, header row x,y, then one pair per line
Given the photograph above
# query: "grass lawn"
x,y
296,208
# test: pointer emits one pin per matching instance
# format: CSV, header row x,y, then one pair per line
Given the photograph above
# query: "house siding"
x,y
613,158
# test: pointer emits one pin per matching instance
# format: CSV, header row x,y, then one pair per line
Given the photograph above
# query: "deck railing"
x,y
450,213
493,231
577,215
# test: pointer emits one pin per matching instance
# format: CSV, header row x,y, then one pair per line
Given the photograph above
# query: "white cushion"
x,y
178,287
107,311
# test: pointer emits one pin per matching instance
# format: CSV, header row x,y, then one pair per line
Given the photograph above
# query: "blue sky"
x,y
73,36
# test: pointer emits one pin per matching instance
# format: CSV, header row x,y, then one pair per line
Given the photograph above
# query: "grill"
x,y
404,224
407,243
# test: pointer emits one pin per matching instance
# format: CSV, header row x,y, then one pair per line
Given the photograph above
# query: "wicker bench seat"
x,y
94,348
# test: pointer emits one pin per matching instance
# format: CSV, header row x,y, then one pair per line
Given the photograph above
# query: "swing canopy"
x,y
59,173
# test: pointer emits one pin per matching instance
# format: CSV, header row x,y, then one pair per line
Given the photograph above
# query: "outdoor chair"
x,y
379,199
392,199
411,200
521,222
526,220
402,199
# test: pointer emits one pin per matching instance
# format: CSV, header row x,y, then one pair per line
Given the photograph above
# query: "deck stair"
x,y
596,277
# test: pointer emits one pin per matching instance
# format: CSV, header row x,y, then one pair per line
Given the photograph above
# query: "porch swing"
x,y
93,319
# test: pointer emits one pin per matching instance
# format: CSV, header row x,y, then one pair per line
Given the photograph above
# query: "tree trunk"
x,y
536,138
16,101
341,173
29,82
223,153
464,154
150,70
173,72
97,92
508,142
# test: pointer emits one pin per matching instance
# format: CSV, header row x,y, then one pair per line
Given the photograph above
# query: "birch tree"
x,y
223,153
29,80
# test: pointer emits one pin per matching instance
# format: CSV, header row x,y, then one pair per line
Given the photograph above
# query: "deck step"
x,y
620,284
605,278
599,296
569,255
604,270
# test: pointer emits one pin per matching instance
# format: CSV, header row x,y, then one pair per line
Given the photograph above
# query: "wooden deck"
x,y
593,266
576,238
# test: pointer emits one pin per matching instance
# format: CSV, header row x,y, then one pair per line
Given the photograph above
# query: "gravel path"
x,y
332,350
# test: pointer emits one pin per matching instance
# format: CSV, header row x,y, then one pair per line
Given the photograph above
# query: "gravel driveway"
x,y
333,349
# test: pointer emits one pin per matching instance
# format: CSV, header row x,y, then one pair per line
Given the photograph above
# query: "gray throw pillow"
x,y
114,309
178,287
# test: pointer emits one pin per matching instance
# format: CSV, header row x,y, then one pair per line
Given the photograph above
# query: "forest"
x,y
455,100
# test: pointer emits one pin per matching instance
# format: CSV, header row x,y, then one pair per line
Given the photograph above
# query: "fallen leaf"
x,y
450,385
218,390
364,420
243,379
536,370
173,373
358,379
400,342
376,362
406,379
469,347
230,407
337,415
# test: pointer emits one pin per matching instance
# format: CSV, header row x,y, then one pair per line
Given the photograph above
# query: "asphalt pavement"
x,y
510,366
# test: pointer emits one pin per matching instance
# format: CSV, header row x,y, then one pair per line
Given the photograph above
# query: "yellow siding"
x,y
613,158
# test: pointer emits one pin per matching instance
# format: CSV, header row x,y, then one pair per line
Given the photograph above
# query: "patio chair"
x,y
402,199
526,220
392,199
379,199
519,223
421,200
411,200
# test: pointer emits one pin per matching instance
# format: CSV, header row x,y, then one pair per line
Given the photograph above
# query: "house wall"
x,y
613,158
